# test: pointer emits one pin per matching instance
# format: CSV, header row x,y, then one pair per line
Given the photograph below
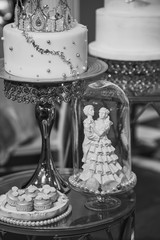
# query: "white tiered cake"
x,y
127,30
45,42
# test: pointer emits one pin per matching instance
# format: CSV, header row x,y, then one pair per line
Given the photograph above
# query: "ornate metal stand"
x,y
136,78
45,94
44,99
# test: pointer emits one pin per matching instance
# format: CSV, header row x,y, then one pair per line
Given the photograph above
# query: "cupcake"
x,y
24,203
42,202
13,194
51,192
32,191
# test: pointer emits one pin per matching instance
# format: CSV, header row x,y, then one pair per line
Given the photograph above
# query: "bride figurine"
x,y
101,168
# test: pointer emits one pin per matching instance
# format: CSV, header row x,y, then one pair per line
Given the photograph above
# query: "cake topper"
x,y
43,16
100,163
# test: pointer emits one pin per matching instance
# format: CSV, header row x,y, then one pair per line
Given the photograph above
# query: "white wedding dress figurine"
x,y
101,166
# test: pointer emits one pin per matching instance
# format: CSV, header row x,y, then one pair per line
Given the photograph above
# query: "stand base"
x,y
53,178
46,172
102,205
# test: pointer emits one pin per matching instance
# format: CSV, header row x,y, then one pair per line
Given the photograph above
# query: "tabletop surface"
x,y
80,219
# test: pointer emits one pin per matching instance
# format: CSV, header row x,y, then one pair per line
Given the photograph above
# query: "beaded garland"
x,y
60,54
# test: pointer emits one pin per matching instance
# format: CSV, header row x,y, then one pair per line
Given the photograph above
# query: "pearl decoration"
x,y
37,223
49,42
121,187
64,75
30,40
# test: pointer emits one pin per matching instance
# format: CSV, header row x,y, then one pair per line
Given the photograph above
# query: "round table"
x,y
81,223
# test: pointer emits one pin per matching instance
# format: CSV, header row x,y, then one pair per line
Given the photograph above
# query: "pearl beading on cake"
x,y
60,54
30,40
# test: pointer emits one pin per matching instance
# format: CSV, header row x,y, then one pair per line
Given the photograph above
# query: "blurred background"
x,y
17,121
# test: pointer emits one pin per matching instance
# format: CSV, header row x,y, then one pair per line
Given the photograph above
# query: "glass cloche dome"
x,y
102,149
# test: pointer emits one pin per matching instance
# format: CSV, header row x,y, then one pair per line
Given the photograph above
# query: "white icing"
x,y
127,31
134,8
22,59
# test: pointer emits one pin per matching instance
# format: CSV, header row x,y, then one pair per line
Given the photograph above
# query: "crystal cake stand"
x,y
45,94
136,78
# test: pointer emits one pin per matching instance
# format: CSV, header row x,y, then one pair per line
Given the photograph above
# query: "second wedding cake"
x,y
127,30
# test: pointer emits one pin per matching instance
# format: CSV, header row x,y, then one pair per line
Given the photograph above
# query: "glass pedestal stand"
x,y
102,201
102,204
45,94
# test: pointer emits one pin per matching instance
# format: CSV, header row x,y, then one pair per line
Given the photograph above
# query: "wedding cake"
x,y
127,30
45,42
